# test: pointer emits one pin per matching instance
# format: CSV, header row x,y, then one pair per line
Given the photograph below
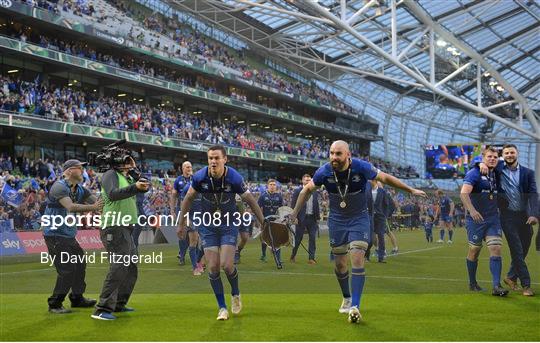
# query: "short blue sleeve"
x,y
318,178
471,178
367,169
196,182
237,182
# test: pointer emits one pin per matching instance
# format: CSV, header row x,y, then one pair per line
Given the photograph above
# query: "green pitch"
x,y
420,294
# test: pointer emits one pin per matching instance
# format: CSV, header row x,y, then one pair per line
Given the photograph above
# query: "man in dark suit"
x,y
308,218
518,205
380,207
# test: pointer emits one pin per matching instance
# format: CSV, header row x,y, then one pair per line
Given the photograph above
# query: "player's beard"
x,y
510,161
337,165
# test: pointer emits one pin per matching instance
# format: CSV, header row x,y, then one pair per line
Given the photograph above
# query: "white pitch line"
x,y
26,271
413,251
326,275
287,273
306,274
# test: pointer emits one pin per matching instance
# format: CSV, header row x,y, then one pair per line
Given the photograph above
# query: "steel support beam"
x,y
358,13
343,26
453,74
393,22
421,14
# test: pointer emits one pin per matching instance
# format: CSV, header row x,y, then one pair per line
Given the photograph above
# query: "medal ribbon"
x,y
217,201
344,193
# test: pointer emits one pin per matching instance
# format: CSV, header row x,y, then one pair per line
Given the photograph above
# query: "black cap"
x,y
73,163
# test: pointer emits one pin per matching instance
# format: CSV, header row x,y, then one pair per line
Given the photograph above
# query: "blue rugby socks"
x,y
343,280
278,254
495,267
450,234
357,284
200,254
183,245
217,286
441,233
193,256
471,268
233,280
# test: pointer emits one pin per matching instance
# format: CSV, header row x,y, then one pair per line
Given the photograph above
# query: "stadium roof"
x,y
429,71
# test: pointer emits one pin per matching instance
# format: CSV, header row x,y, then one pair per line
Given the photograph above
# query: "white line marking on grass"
x,y
307,274
285,273
324,274
413,251
26,271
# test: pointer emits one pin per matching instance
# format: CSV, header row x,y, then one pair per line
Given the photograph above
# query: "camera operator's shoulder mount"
x,y
113,156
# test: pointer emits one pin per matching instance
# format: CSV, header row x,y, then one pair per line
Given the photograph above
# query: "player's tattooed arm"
x,y
396,183
250,200
303,197
466,200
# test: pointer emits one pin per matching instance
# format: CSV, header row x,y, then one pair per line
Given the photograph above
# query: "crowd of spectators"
x,y
33,179
139,66
183,40
77,106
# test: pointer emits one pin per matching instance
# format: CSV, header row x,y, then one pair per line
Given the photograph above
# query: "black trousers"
x,y
310,225
122,276
378,227
70,274
538,240
136,232
519,236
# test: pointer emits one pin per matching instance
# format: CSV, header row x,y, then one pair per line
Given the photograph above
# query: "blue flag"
x,y
6,225
11,196
34,184
52,175
85,175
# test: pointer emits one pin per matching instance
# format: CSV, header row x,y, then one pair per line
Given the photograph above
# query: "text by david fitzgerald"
x,y
101,257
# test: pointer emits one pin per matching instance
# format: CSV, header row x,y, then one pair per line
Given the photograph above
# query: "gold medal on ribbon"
x,y
218,201
343,193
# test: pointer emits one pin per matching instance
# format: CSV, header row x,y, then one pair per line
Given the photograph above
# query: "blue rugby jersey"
x,y
220,195
484,192
361,173
269,203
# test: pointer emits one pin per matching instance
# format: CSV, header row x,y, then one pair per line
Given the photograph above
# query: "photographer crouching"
x,y
67,196
119,187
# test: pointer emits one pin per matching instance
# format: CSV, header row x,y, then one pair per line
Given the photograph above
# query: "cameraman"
x,y
67,196
119,186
